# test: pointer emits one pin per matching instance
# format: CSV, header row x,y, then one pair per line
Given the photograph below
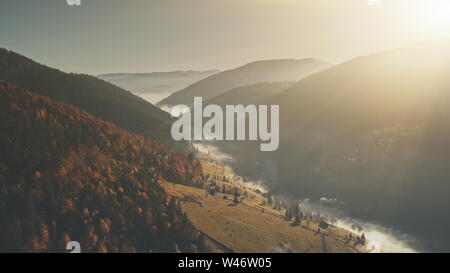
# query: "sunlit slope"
x,y
260,71
374,132
252,226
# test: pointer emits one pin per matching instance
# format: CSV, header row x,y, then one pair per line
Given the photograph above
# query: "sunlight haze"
x,y
106,36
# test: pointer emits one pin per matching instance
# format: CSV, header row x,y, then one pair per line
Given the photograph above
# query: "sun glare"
x,y
433,16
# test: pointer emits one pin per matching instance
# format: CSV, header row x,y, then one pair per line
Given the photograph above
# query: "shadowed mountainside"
x,y
260,71
91,94
371,132
374,133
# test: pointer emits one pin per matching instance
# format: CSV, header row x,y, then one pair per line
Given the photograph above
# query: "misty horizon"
x,y
103,37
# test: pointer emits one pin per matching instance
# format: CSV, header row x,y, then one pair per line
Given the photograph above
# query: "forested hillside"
x,y
67,175
374,133
91,94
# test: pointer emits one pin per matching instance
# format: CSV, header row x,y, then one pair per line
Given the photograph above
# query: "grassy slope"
x,y
246,227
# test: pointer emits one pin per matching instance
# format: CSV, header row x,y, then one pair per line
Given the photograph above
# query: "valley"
x,y
251,225
242,126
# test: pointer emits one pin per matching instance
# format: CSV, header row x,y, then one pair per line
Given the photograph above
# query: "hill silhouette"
x,y
373,132
255,72
66,175
257,94
91,94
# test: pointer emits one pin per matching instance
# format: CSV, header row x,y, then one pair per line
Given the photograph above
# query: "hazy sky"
x,y
103,36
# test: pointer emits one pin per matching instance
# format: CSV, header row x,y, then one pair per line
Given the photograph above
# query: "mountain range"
x,y
156,86
373,133
258,94
90,94
255,72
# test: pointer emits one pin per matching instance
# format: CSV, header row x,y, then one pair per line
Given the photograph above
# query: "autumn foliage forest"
x,y
92,95
66,175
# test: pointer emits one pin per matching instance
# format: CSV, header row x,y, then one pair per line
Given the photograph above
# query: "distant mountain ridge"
x,y
89,93
371,132
156,86
258,93
255,72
